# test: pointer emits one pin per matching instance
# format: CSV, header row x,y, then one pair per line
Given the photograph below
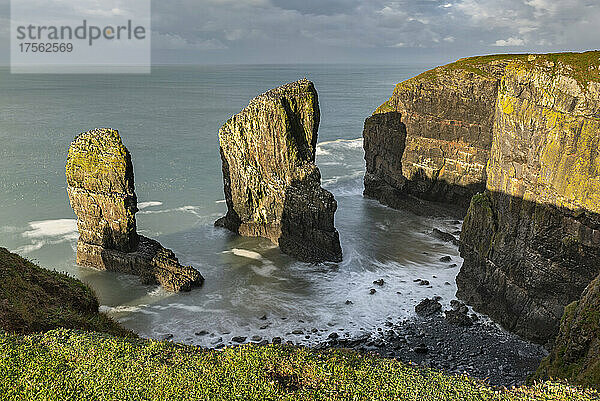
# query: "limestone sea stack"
x,y
100,186
271,183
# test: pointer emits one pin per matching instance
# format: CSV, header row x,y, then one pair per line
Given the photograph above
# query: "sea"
x,y
169,121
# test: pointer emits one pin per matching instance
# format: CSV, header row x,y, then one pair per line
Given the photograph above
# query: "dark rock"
x,y
263,317
298,331
379,282
279,197
277,340
334,336
428,307
348,302
421,349
423,282
372,291
256,338
201,333
446,237
445,259
238,339
101,192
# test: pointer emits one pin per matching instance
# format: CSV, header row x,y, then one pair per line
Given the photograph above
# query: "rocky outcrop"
x,y
576,353
432,138
531,242
271,184
101,191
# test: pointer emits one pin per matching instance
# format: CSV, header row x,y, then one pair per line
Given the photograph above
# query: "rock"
x,y
423,282
421,349
446,258
428,307
531,240
263,317
201,333
432,138
298,331
446,237
100,185
459,314
166,337
256,338
348,302
238,339
379,282
372,291
277,340
272,186
576,355
334,336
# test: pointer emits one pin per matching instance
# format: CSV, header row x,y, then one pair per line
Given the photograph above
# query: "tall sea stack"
x,y
271,183
100,186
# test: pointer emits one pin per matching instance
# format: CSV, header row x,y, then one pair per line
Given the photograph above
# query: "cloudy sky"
x,y
359,31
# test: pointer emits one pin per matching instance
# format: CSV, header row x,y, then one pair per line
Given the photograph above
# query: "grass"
x,y
67,364
34,299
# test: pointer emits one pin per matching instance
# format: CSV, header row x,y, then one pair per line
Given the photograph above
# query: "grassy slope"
x,y
34,299
66,364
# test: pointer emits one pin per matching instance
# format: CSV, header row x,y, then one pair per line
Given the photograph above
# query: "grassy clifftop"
x,y
33,299
65,364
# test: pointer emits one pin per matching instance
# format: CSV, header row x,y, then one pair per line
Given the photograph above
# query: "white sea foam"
x,y
52,228
244,253
221,201
349,143
144,205
48,232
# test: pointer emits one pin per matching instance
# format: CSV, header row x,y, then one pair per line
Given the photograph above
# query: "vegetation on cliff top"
x,y
66,364
33,299
583,67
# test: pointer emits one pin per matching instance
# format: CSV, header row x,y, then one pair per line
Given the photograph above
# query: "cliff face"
x,y
531,242
101,191
445,117
576,353
271,184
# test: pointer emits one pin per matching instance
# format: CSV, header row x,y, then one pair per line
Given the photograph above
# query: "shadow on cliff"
x,y
384,143
525,261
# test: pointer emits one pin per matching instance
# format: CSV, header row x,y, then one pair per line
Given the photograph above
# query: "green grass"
x,y
33,299
66,364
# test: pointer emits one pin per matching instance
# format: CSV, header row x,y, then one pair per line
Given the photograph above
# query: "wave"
x,y
244,253
349,143
52,228
48,232
144,205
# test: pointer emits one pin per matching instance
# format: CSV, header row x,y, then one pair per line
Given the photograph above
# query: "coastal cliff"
x,y
442,121
531,242
100,185
272,186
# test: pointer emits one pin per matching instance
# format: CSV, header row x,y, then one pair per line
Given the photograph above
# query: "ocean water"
x,y
169,121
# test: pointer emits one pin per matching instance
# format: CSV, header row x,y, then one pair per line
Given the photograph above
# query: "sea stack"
x,y
271,183
100,186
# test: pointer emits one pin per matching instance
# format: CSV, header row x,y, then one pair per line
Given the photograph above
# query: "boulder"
x,y
100,185
271,183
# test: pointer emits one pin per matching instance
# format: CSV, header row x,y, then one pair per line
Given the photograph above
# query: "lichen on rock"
x,y
533,244
271,184
100,185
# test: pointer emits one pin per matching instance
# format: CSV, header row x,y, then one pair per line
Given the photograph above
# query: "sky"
x,y
357,31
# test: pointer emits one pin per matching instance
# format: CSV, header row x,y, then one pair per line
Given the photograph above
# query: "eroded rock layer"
x,y
100,186
445,117
271,184
531,242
